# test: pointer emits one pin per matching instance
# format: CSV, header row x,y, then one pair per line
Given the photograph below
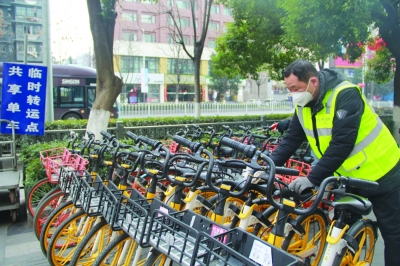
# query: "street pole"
x,y
47,60
144,72
25,45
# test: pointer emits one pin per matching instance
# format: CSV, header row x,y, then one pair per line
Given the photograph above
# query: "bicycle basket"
x,y
67,171
90,195
174,234
61,153
134,215
110,202
53,164
237,247
76,186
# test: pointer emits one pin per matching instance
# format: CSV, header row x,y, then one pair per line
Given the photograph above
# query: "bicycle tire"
x,y
67,237
315,227
156,258
347,257
37,192
51,192
45,209
112,253
53,221
84,253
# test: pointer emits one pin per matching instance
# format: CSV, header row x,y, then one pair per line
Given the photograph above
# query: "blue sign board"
x,y
24,98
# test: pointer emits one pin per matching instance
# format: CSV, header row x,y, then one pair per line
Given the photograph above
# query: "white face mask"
x,y
302,98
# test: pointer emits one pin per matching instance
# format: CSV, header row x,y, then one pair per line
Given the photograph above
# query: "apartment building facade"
x,y
21,18
144,32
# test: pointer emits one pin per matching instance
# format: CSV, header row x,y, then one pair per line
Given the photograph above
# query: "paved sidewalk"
x,y
18,243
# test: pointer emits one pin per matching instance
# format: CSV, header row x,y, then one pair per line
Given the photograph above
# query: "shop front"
x,y
132,91
184,89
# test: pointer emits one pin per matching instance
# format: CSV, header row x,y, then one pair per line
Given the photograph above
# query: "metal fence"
x,y
206,109
156,132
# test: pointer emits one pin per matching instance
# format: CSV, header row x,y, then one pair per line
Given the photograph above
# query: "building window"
x,y
182,4
149,2
129,35
20,47
133,64
227,11
152,64
213,25
130,64
149,37
129,16
148,18
214,9
184,22
211,43
186,39
180,66
173,39
3,48
25,12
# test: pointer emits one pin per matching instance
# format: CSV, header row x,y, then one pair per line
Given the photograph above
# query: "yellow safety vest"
x,y
375,152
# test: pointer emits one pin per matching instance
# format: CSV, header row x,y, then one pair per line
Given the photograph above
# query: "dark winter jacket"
x,y
344,131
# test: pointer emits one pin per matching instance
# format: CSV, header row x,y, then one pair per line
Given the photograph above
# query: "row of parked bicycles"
x,y
218,200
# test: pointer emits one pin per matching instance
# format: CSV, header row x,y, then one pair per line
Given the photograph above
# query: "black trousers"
x,y
386,207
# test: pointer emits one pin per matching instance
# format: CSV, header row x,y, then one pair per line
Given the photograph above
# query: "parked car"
x,y
254,101
268,103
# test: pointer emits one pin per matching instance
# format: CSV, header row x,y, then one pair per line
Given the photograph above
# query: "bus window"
x,y
72,97
55,97
91,96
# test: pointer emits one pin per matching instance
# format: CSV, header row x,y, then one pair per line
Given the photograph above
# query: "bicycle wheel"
x,y
157,258
364,231
66,238
121,251
56,218
309,246
52,191
37,192
45,208
93,244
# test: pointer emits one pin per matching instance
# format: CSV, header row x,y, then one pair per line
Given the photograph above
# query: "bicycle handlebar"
x,y
132,136
247,150
193,146
353,182
152,143
361,183
106,135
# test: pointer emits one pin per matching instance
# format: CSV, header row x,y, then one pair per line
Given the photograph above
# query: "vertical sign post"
x,y
24,98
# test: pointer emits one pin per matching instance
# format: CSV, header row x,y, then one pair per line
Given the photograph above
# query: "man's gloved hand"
x,y
283,125
299,184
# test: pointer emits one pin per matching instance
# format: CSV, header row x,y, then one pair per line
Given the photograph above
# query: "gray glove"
x,y
299,184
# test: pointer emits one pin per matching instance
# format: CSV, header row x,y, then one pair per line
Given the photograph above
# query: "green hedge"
x,y
154,121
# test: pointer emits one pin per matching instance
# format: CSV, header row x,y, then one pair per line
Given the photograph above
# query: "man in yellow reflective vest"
x,y
348,139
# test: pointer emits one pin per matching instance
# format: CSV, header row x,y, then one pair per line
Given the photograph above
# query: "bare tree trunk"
x,y
197,86
102,21
396,102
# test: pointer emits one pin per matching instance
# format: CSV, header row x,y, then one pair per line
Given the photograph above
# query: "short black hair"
x,y
302,69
